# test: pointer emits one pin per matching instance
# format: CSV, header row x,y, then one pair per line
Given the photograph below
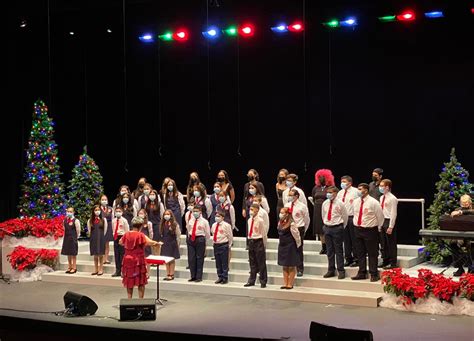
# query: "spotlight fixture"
x,y
23,23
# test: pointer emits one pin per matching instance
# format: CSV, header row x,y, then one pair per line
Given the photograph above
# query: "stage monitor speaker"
x,y
135,309
79,305
323,332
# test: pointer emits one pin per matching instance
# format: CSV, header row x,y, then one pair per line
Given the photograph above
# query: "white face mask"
x,y
196,214
118,214
218,219
170,188
282,216
251,213
197,194
142,216
104,202
222,200
190,208
167,217
97,213
252,191
69,214
152,197
123,192
217,190
146,192
125,200
290,199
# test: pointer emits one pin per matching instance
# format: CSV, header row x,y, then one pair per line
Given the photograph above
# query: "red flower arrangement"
x,y
413,288
34,226
23,258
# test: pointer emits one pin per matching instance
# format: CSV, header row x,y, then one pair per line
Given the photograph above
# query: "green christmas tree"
x,y
85,187
453,183
42,192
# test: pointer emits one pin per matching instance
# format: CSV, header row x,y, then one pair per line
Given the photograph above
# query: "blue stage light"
x,y
147,38
211,33
280,28
434,14
348,22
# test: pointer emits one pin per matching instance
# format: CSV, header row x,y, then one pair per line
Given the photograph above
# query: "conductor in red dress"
x,y
134,271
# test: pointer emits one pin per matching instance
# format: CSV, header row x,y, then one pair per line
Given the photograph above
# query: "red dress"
x,y
133,265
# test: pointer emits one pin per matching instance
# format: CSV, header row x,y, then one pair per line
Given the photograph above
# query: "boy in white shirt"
x,y
222,241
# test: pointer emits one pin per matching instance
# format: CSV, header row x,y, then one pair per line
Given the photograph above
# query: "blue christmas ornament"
x,y
451,193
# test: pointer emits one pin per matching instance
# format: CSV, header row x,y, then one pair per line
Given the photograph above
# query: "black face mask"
x,y
193,180
251,177
141,185
281,179
322,181
375,179
220,179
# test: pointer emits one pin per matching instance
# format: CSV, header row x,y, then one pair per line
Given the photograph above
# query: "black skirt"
x,y
287,250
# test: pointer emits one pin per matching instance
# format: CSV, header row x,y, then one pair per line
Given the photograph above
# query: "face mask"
x,y
146,192
190,208
197,194
221,179
69,214
281,178
322,181
217,190
251,213
382,190
123,192
252,191
97,213
343,185
104,202
152,197
222,200
167,217
142,216
170,188
141,185
118,214
282,216
193,180
125,200
374,178
289,183
329,196
359,194
218,219
250,177
290,198
196,214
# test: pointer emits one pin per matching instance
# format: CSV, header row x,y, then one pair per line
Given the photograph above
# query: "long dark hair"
x,y
226,176
172,222
156,206
93,216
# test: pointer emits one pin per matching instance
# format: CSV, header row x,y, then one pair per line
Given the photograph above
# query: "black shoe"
x,y
329,274
263,285
341,275
187,268
383,264
116,275
458,272
283,287
213,258
323,250
374,278
218,281
198,280
359,276
348,262
249,284
224,281
300,274
289,288
192,280
354,264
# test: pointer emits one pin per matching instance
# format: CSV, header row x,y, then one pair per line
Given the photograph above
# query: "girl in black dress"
x,y
107,213
280,187
72,230
97,227
289,242
223,179
170,234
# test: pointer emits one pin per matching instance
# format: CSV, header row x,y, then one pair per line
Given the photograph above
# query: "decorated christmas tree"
x,y
85,188
42,190
453,183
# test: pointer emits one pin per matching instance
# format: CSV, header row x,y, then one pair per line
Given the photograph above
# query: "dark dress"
x,y
280,204
319,196
128,213
171,202
133,265
154,217
70,238
144,230
170,246
287,250
97,239
109,237
214,202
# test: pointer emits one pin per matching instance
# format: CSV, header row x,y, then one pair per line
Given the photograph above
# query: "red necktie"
x,y
291,208
216,232
251,229
344,197
359,220
193,234
383,201
96,220
116,229
189,215
329,212
69,221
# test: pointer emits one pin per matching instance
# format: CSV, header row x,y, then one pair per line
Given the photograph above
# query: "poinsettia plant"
x,y
34,226
23,258
466,286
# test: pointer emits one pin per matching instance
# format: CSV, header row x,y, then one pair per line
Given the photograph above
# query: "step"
x,y
241,276
301,294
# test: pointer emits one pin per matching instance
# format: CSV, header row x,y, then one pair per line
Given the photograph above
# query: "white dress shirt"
x,y
122,226
372,214
349,195
300,214
302,197
224,233
389,208
202,227
258,230
338,213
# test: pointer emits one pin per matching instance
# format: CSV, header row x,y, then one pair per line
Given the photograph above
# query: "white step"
x,y
305,294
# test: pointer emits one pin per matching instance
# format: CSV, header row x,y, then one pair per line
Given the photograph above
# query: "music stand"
x,y
158,260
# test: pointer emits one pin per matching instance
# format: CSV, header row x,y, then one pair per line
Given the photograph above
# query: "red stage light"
x,y
296,27
247,30
406,16
181,35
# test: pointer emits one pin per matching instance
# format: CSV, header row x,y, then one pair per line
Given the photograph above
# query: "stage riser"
x,y
317,295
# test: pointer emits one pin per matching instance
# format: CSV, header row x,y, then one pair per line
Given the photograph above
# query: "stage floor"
x,y
233,315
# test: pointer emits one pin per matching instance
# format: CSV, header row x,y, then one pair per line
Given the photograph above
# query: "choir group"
x,y
352,224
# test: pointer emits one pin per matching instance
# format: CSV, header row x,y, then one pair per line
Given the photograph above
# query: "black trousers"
x,y
258,261
389,244
349,241
367,244
196,254
334,236
300,266
119,252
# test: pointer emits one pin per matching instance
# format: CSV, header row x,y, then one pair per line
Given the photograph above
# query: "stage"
x,y
224,315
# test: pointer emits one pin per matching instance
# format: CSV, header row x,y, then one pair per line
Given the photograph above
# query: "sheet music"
x,y
165,259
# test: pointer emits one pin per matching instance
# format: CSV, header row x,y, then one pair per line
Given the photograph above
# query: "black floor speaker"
x,y
323,332
136,309
79,305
